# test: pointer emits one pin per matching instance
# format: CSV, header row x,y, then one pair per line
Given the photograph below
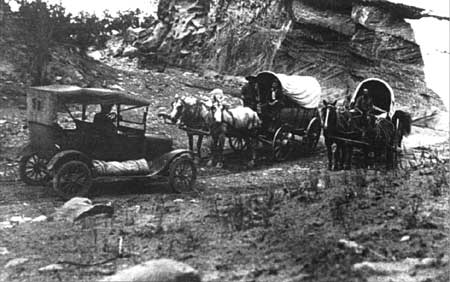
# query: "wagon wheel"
x,y
313,134
282,143
72,179
182,174
238,144
33,169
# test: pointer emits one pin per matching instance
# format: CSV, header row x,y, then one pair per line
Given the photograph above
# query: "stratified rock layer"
x,y
339,42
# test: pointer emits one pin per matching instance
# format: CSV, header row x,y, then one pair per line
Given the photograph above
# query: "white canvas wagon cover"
x,y
304,90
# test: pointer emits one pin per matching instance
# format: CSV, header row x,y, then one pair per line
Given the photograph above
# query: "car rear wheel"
x,y
72,179
182,174
33,169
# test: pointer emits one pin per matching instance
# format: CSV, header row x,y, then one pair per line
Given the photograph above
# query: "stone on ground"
x,y
159,270
78,207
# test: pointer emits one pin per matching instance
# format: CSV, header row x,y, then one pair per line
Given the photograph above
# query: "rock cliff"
x,y
340,42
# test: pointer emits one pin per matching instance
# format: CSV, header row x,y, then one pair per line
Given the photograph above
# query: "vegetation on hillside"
x,y
45,26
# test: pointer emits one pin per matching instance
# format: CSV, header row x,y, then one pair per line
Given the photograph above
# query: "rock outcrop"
x,y
339,42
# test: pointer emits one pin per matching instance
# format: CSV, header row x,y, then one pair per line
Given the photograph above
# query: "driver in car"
x,y
105,118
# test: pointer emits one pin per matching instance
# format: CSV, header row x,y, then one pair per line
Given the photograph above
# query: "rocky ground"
x,y
290,221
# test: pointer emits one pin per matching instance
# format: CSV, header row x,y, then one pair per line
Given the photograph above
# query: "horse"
x,y
336,124
194,115
382,140
402,122
241,121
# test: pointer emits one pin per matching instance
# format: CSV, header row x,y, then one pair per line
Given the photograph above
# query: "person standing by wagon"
x,y
249,93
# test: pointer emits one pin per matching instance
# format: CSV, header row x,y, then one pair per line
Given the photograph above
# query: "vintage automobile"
x,y
68,147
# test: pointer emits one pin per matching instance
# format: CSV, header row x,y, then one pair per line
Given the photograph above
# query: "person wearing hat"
x,y
217,94
104,120
249,93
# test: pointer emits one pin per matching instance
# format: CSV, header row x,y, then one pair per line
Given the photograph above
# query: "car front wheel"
x,y
182,174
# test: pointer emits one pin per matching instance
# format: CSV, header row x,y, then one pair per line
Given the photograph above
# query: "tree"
x,y
36,19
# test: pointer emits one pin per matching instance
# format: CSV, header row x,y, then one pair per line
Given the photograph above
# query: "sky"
x,y
98,6
435,49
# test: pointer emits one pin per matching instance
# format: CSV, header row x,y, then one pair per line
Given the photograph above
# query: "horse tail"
x,y
404,121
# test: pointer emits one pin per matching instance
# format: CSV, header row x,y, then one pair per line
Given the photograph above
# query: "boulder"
x,y
15,262
159,270
78,208
96,55
130,51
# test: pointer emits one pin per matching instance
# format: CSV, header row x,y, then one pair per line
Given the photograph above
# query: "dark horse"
x,y
402,122
381,139
336,128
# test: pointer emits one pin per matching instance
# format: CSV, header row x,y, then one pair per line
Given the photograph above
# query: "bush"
x,y
52,23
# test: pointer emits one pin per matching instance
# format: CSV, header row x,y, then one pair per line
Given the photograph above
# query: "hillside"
x,y
67,63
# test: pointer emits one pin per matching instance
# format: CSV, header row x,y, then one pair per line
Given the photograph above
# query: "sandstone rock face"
x,y
342,45
160,270
339,42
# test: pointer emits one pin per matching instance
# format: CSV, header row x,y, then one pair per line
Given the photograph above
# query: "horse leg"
x,y
191,141
220,145
252,144
390,157
199,145
328,144
338,156
366,157
348,149
213,148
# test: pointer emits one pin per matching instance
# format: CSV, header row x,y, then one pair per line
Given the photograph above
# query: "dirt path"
x,y
276,222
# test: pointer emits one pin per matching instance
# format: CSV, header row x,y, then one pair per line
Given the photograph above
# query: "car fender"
x,y
162,163
25,150
65,156
28,149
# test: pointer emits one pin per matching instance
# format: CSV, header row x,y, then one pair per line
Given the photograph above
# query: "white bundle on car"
x,y
132,167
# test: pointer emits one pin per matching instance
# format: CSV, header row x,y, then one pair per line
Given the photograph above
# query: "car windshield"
x,y
132,116
129,116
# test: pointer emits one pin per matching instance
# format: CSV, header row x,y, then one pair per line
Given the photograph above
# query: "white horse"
x,y
239,121
194,115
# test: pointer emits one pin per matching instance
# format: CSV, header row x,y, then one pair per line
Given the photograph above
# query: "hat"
x,y
217,94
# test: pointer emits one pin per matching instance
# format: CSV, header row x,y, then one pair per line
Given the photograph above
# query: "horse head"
x,y
216,109
329,114
178,107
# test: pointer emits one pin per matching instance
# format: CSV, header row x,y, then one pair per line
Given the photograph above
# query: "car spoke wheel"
x,y
33,169
282,143
238,144
72,179
182,174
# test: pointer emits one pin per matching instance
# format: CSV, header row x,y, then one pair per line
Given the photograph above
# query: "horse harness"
x,y
195,115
